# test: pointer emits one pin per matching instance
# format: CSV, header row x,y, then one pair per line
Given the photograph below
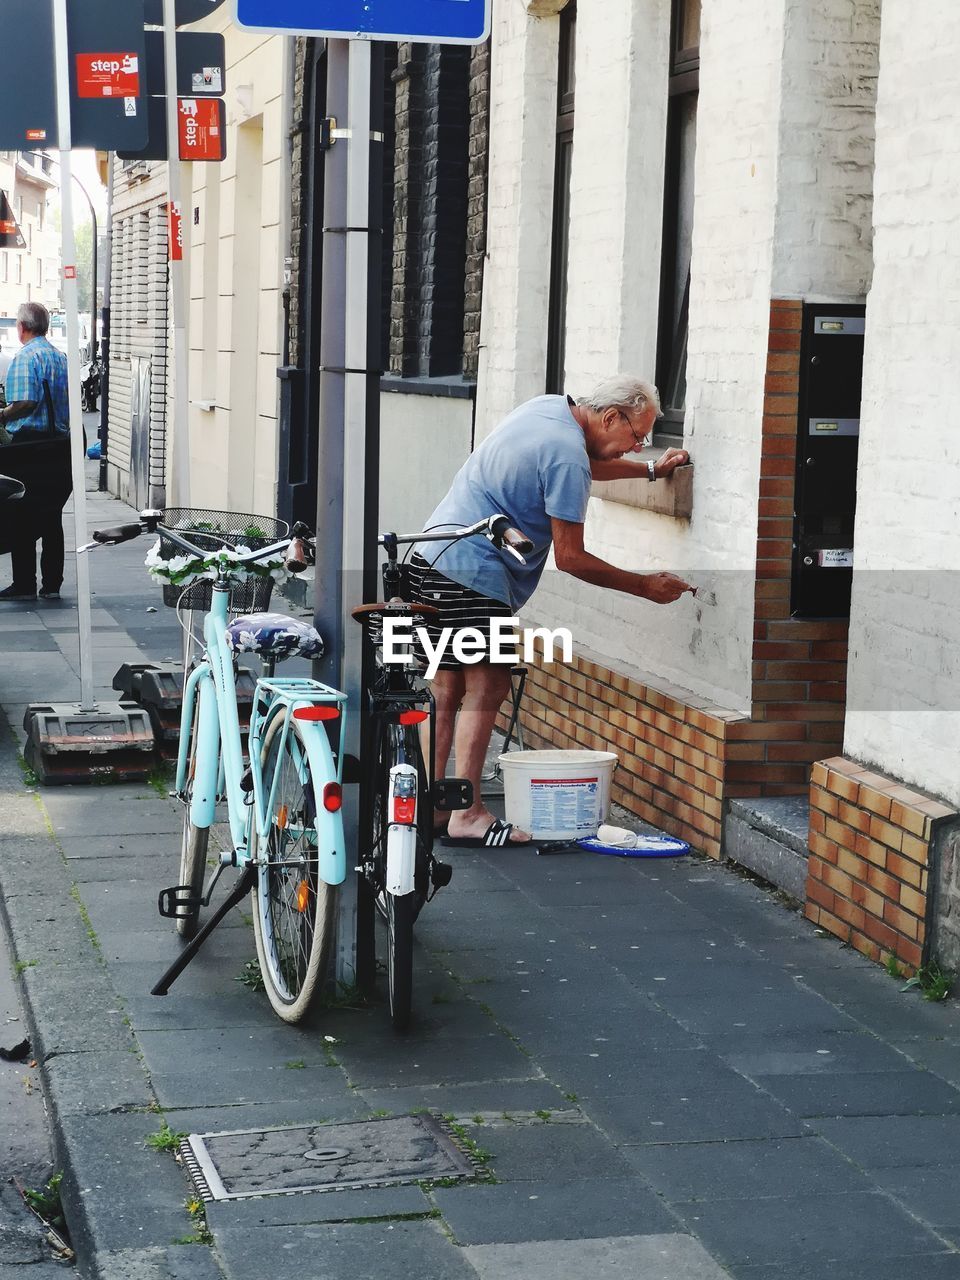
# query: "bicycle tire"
x,y
194,841
400,746
294,909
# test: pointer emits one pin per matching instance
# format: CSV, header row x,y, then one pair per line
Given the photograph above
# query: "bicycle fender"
x,y
331,845
401,859
203,802
402,831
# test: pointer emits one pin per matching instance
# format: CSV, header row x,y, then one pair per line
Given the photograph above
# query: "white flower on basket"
x,y
184,569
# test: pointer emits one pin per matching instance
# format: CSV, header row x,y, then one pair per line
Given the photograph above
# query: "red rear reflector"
x,y
413,717
404,809
332,797
323,711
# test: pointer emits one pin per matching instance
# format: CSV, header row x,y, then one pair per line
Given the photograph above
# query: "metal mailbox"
x,y
828,431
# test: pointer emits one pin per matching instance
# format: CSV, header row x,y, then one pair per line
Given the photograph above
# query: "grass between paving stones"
x,y
165,1139
198,1216
160,779
45,1203
470,1147
30,779
932,982
250,976
85,917
21,966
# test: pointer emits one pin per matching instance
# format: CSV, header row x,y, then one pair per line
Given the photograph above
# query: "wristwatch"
x,y
651,471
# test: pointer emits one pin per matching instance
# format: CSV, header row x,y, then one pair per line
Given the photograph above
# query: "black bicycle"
x,y
398,787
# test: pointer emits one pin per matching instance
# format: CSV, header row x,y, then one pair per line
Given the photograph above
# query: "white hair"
x,y
622,391
34,317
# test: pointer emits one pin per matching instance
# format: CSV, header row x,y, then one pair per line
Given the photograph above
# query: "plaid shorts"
x,y
460,607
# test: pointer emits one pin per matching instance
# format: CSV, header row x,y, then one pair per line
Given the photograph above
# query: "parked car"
x,y
58,335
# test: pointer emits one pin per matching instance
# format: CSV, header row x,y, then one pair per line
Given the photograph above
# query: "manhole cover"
x,y
322,1157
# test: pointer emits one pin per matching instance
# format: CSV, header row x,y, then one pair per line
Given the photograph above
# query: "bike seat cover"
x,y
274,635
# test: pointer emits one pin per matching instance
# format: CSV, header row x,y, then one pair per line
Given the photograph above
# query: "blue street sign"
x,y
430,21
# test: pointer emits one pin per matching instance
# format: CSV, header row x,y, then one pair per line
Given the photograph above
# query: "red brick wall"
x,y
868,874
799,666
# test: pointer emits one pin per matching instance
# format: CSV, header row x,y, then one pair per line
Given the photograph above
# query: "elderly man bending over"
x,y
535,468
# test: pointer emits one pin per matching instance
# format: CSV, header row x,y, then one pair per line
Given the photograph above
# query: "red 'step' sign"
x,y
108,75
201,137
175,230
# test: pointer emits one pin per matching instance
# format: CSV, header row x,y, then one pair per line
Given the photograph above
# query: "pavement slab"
x,y
652,1257
345,1251
552,1210
740,1170
821,1228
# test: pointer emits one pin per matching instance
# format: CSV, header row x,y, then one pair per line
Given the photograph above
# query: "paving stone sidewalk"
x,y
673,1076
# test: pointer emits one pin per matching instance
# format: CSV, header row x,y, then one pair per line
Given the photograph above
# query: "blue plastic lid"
x,y
647,846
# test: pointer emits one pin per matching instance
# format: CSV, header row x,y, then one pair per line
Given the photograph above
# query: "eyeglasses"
x,y
641,443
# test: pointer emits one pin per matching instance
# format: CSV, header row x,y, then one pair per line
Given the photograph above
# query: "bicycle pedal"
x,y
441,873
178,902
452,793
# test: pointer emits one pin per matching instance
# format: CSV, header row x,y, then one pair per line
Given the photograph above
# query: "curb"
x,y
123,1202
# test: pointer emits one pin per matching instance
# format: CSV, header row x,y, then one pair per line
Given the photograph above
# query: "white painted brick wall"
x,y
828,95
616,196
904,670
612,312
516,279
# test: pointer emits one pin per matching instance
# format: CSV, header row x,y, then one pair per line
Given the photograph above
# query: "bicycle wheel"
x,y
194,840
294,909
400,746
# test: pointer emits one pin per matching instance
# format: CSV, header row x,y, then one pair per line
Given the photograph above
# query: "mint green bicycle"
x,y
283,804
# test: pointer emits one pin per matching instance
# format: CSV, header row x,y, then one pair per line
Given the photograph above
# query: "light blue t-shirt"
x,y
533,466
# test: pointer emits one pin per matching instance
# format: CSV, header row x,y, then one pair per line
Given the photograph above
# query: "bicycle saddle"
x,y
393,609
274,635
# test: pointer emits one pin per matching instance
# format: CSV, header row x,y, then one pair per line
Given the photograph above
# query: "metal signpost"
x,y
348,386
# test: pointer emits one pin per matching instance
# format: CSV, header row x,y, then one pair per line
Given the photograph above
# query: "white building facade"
x,y
681,190
31,274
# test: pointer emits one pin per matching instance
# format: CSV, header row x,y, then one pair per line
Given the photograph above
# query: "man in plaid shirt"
x,y
27,416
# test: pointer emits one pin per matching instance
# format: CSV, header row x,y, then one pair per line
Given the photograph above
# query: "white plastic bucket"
x,y
557,795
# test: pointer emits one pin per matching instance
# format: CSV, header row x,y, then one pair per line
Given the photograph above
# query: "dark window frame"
x,y
684,82
560,237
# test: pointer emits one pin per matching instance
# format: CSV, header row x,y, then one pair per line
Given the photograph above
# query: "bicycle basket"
x,y
212,531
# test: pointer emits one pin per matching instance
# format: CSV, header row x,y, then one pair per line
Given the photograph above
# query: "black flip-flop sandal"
x,y
496,836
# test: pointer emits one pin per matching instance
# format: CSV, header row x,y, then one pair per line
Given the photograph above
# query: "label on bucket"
x,y
564,804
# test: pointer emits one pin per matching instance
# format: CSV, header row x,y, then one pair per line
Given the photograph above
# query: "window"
x,y
4,267
19,270
684,85
40,271
560,244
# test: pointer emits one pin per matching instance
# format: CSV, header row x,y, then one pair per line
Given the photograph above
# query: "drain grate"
x,y
323,1157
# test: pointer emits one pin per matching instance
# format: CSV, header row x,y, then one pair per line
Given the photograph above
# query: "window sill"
x,y
667,497
453,387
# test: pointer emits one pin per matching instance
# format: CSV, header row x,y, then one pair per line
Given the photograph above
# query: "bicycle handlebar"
x,y
496,528
121,533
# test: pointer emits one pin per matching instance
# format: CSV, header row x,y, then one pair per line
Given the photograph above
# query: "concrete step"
x,y
768,835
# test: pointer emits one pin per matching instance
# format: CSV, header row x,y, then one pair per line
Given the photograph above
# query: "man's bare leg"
x,y
448,689
486,687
